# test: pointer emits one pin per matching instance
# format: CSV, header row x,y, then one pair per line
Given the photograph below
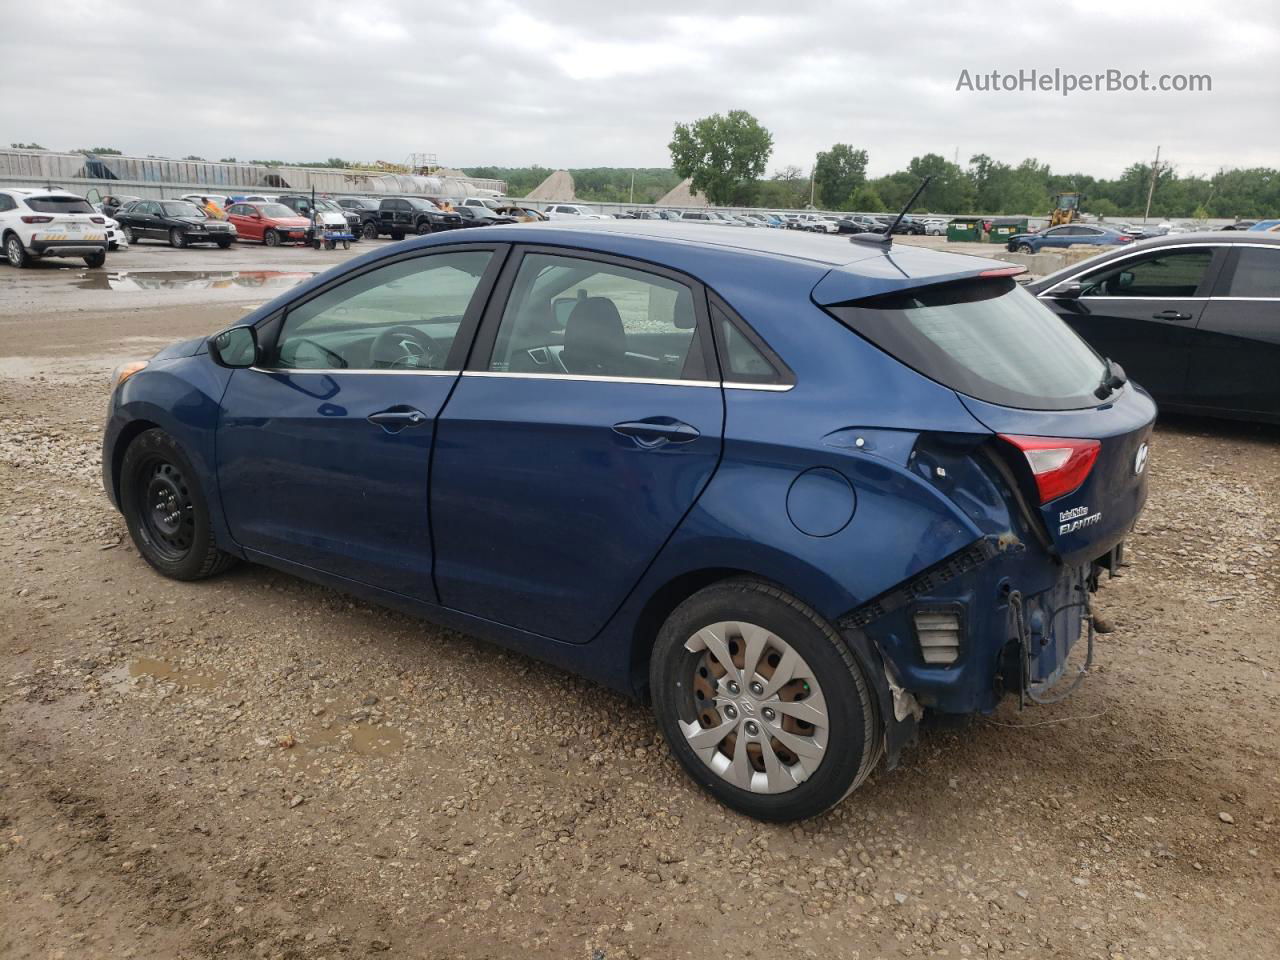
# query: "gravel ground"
x,y
257,767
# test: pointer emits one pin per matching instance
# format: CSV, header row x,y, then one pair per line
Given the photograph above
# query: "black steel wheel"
x,y
165,509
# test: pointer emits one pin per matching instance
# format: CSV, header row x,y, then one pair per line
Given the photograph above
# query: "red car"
x,y
270,223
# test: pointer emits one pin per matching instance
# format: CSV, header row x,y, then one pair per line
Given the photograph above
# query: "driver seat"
x,y
595,343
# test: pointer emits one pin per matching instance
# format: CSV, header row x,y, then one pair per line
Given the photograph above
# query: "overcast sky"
x,y
577,83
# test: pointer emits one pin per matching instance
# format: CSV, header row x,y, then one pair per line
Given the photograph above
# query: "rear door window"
x,y
1256,274
1159,275
987,338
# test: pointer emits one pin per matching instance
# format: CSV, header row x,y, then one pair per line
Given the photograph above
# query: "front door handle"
x,y
656,431
1170,315
395,419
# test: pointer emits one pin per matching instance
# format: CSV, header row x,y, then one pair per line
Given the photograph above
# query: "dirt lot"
x,y
257,767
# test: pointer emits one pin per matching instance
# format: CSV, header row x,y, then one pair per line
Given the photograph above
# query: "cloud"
x,y
580,83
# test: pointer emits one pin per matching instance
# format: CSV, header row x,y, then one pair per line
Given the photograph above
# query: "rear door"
x,y
1141,311
584,428
1235,365
324,453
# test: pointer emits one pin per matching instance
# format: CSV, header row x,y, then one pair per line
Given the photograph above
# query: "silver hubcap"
x,y
15,250
760,720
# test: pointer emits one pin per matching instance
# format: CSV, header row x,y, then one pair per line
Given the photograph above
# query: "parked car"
x,y
935,226
701,216
179,222
116,240
816,223
520,214
489,202
678,495
1194,318
576,211
1066,236
50,223
110,203
268,223
1241,225
1264,226
329,214
473,216
199,198
400,216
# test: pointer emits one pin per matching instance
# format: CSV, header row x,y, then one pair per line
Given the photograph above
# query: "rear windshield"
x,y
59,205
987,338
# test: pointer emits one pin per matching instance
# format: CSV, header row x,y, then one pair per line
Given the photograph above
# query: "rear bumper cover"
x,y
67,248
1019,613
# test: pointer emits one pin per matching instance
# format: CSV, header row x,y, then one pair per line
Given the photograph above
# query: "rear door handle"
x,y
1170,315
656,431
395,419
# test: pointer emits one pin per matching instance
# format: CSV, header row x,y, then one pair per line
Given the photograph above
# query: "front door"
x,y
583,430
324,453
1142,312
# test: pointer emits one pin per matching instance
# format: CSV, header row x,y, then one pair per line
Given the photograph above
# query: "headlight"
x,y
126,370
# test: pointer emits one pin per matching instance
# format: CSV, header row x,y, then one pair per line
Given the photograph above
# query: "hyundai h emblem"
x,y
1140,460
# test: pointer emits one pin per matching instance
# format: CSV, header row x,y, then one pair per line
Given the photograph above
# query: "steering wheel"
x,y
404,348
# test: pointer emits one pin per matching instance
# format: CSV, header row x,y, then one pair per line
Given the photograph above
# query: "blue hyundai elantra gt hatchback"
x,y
793,489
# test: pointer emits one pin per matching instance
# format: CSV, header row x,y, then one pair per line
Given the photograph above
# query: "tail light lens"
x,y
98,219
1059,465
30,219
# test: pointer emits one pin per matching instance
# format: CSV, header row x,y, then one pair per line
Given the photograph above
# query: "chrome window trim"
x,y
651,381
330,371
587,378
1138,253
1253,299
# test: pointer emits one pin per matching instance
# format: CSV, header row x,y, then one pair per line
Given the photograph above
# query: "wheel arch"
x,y
128,433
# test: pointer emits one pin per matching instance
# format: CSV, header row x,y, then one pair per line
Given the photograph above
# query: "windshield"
x,y
59,205
987,338
180,208
276,211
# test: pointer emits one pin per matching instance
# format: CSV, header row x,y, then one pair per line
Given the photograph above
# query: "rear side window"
x,y
59,205
1257,273
744,358
987,338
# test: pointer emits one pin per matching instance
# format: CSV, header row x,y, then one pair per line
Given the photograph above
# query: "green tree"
x,y
837,173
104,151
722,155
950,191
27,146
864,200
192,156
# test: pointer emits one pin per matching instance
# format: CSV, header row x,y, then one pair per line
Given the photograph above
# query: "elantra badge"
x,y
1140,460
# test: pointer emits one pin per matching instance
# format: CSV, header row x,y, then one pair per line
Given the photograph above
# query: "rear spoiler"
x,y
903,267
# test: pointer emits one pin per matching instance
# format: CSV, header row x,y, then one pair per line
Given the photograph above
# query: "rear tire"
x,y
397,235
694,698
94,261
129,235
15,252
165,509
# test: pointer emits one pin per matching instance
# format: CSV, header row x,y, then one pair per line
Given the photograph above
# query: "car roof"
x,y
40,192
843,270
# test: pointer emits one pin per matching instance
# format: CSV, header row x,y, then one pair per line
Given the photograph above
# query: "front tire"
x,y
166,511
1025,248
423,228
397,236
224,243
15,252
370,231
762,702
130,236
177,239
271,238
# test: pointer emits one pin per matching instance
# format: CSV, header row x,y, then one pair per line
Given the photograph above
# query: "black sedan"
x,y
1193,317
179,222
481,217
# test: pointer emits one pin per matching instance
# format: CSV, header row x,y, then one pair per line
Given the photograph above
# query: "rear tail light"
x,y
938,633
30,219
97,219
1058,464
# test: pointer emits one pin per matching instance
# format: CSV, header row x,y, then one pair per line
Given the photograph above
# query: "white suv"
x,y
574,211
50,223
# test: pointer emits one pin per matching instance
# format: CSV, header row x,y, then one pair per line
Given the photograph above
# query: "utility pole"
x,y
1155,169
633,186
812,171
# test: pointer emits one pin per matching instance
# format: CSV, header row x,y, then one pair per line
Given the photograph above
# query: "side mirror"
x,y
236,348
1069,291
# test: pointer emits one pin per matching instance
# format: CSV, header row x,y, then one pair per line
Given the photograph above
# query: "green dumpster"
x,y
966,230
1002,228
